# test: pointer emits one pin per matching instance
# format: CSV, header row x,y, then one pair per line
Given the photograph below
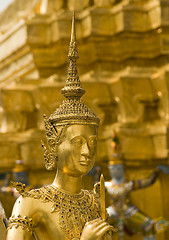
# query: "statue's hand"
x,y
95,229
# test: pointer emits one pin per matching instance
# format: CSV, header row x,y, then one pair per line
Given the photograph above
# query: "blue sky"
x,y
4,4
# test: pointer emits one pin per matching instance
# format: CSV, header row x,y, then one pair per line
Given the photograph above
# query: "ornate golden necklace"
x,y
74,210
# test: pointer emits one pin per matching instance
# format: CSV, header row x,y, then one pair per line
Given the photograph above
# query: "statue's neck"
x,y
68,183
117,181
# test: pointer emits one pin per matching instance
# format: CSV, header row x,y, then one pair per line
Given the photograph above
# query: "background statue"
x,y
63,210
127,216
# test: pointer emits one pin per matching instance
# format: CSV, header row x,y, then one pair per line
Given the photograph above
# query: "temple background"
x,y
124,68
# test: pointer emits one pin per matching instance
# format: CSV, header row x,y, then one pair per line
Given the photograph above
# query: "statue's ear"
x,y
50,157
52,136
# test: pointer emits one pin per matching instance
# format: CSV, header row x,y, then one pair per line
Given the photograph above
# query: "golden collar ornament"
x,y
74,210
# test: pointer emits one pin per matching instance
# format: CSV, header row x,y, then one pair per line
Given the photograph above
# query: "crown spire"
x,y
73,87
73,110
73,32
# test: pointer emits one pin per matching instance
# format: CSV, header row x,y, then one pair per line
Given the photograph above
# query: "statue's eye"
x,y
92,141
77,141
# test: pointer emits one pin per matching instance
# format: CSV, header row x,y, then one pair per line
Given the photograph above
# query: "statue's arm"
x,y
20,224
143,183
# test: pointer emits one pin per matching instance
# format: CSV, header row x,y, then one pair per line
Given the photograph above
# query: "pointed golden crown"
x,y
73,110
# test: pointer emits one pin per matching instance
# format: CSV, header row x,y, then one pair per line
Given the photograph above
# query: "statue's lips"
x,y
85,162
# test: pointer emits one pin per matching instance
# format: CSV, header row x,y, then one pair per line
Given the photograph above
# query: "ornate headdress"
x,y
72,110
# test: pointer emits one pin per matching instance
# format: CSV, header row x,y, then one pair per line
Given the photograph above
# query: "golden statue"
x,y
121,211
63,210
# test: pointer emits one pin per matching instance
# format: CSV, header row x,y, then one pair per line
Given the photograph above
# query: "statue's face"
x,y
77,152
116,171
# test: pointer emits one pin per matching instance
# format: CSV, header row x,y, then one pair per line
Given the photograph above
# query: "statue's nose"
x,y
85,150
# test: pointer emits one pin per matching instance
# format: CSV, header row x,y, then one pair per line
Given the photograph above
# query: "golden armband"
x,y
23,222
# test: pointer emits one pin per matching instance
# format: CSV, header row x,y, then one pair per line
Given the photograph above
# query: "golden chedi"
x,y
63,210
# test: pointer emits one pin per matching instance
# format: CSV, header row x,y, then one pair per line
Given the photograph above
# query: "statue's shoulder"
x,y
38,193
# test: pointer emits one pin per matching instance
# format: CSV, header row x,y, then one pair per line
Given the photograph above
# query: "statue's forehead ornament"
x,y
73,110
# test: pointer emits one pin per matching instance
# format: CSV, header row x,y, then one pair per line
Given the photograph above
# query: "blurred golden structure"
x,y
124,66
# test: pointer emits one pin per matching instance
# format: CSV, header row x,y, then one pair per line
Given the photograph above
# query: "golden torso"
x,y
56,214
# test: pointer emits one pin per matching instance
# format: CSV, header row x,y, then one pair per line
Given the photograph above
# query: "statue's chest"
x,y
71,211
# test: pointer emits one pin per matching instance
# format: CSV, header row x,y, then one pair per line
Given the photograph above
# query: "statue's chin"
x,y
81,170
